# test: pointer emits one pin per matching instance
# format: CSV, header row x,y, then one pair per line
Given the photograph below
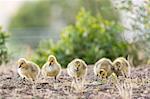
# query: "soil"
x,y
12,86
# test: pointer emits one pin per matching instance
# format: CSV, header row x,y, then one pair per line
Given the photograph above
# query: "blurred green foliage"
x,y
3,48
102,7
31,15
42,13
35,19
30,21
90,38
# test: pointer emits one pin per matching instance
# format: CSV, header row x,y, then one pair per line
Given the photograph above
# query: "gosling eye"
x,y
77,68
78,65
20,65
118,64
103,74
100,72
97,75
119,67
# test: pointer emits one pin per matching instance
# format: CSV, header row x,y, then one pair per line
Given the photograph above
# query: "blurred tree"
x,y
138,14
35,20
102,7
3,48
30,22
90,38
39,14
32,14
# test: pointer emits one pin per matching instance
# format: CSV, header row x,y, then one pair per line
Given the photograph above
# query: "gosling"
x,y
27,69
121,67
103,68
51,68
77,69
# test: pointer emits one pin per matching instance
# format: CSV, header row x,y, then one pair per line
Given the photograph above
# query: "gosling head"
x,y
22,62
118,66
77,64
52,60
102,74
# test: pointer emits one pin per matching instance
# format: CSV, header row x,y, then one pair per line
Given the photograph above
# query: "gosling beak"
x,y
19,66
50,63
77,69
97,77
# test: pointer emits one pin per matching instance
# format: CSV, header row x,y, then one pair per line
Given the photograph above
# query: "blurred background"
x,y
87,29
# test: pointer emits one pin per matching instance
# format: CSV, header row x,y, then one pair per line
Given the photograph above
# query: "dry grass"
x,y
138,86
125,88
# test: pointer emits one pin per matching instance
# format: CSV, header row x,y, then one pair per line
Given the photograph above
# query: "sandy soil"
x,y
12,86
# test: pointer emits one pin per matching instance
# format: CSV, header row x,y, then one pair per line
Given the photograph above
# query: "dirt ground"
x,y
12,86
